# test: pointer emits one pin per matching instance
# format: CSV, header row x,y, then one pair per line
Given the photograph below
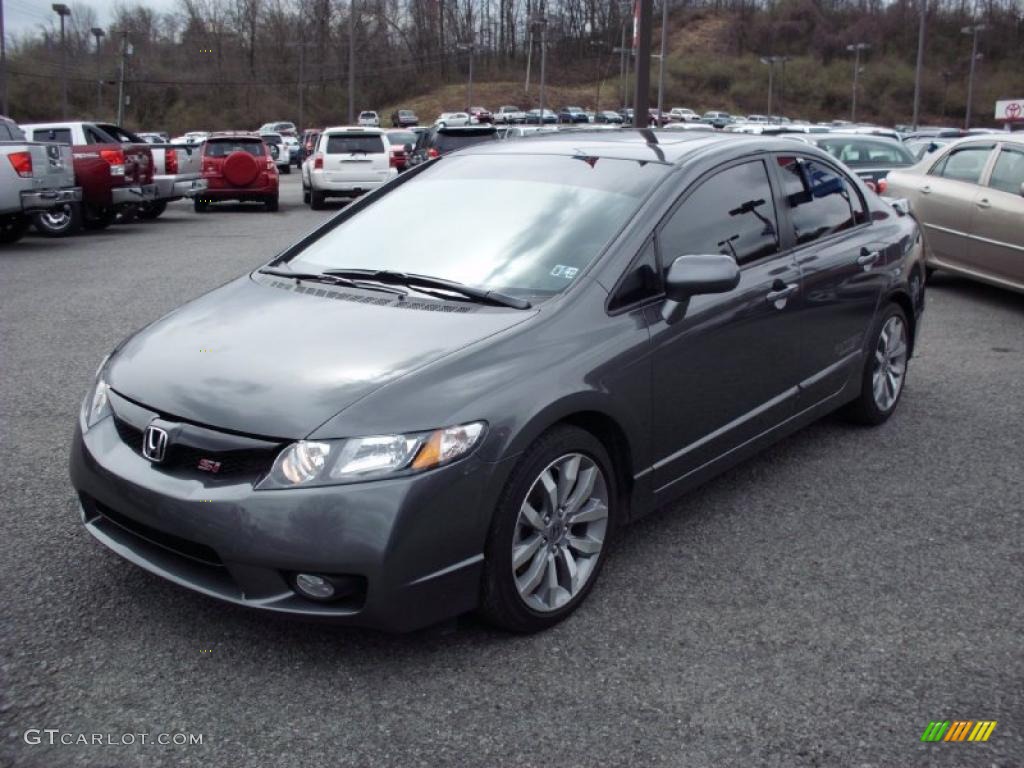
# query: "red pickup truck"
x,y
113,177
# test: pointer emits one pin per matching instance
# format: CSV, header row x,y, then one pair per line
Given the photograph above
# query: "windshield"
x,y
401,137
527,225
449,142
271,138
867,152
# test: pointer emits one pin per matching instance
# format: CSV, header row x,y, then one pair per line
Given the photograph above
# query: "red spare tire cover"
x,y
241,169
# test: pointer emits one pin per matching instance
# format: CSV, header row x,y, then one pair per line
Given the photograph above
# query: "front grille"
x,y
185,459
176,544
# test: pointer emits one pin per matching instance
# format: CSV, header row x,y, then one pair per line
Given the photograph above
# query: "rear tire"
x,y
13,228
287,169
885,369
271,204
153,210
59,222
305,195
543,588
96,219
201,206
316,200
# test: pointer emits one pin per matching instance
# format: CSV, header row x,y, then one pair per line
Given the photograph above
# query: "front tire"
x,y
200,206
101,218
286,169
271,203
550,531
885,369
13,228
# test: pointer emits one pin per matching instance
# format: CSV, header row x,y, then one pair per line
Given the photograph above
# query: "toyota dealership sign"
x,y
1010,109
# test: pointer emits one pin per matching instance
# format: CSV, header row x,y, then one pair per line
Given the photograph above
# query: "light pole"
x,y
471,47
98,34
542,22
352,62
3,64
856,48
920,63
62,10
661,61
770,61
126,51
642,94
972,30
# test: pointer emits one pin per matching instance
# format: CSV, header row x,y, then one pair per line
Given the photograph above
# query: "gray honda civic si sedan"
x,y
450,395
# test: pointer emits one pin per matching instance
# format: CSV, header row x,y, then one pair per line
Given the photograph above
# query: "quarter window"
x,y
640,281
1008,172
730,213
821,202
963,164
58,135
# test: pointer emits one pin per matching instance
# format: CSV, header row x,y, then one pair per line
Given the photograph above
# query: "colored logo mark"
x,y
958,730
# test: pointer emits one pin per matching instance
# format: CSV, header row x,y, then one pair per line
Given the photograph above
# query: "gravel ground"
x,y
817,606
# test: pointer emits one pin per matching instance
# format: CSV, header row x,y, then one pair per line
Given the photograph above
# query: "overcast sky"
x,y
25,16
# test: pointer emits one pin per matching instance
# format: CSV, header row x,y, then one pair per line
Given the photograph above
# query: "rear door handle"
x,y
781,294
984,203
867,257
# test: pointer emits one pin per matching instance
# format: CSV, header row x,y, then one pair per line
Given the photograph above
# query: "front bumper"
x,y
45,199
417,541
139,193
176,187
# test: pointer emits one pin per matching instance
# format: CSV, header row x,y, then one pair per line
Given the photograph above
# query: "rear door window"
x,y
821,201
224,147
448,142
94,135
730,213
59,135
1008,172
344,144
963,163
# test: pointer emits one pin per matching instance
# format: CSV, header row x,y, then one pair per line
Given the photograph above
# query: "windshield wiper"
x,y
424,281
327,277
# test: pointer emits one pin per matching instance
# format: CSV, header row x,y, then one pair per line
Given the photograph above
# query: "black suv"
x,y
442,140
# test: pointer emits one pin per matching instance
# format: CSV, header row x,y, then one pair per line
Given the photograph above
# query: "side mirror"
x,y
408,149
696,275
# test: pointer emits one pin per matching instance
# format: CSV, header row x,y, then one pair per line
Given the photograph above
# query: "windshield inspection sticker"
x,y
561,270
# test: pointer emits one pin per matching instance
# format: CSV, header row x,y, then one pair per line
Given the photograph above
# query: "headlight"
x,y
330,462
96,405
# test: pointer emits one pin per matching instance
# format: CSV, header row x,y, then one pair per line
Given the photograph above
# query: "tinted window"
x,y
5,133
819,199
963,164
730,213
270,139
94,135
526,225
224,147
867,152
59,135
119,134
338,144
448,142
1008,173
401,138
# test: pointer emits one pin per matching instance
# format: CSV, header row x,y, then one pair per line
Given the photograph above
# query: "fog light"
x,y
314,587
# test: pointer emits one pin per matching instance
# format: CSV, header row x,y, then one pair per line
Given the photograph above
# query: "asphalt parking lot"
x,y
817,606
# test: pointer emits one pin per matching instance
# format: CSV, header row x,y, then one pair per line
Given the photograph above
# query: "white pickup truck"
x,y
177,169
34,177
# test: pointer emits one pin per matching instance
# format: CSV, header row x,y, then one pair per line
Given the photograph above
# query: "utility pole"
x,y
98,34
352,62
920,63
62,11
770,61
4,106
621,50
126,51
856,48
471,47
529,57
661,62
973,31
302,83
642,97
543,21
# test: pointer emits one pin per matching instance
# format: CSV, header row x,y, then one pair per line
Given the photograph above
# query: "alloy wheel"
x,y
560,532
890,363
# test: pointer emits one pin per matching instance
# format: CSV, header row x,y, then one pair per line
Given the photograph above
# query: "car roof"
x,y
672,147
368,130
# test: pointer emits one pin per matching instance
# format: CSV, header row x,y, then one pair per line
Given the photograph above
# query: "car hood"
x,y
266,356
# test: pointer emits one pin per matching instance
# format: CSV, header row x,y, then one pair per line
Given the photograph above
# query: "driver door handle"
x,y
867,257
779,294
925,189
984,203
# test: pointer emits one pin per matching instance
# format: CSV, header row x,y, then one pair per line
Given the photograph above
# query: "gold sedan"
x,y
969,199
